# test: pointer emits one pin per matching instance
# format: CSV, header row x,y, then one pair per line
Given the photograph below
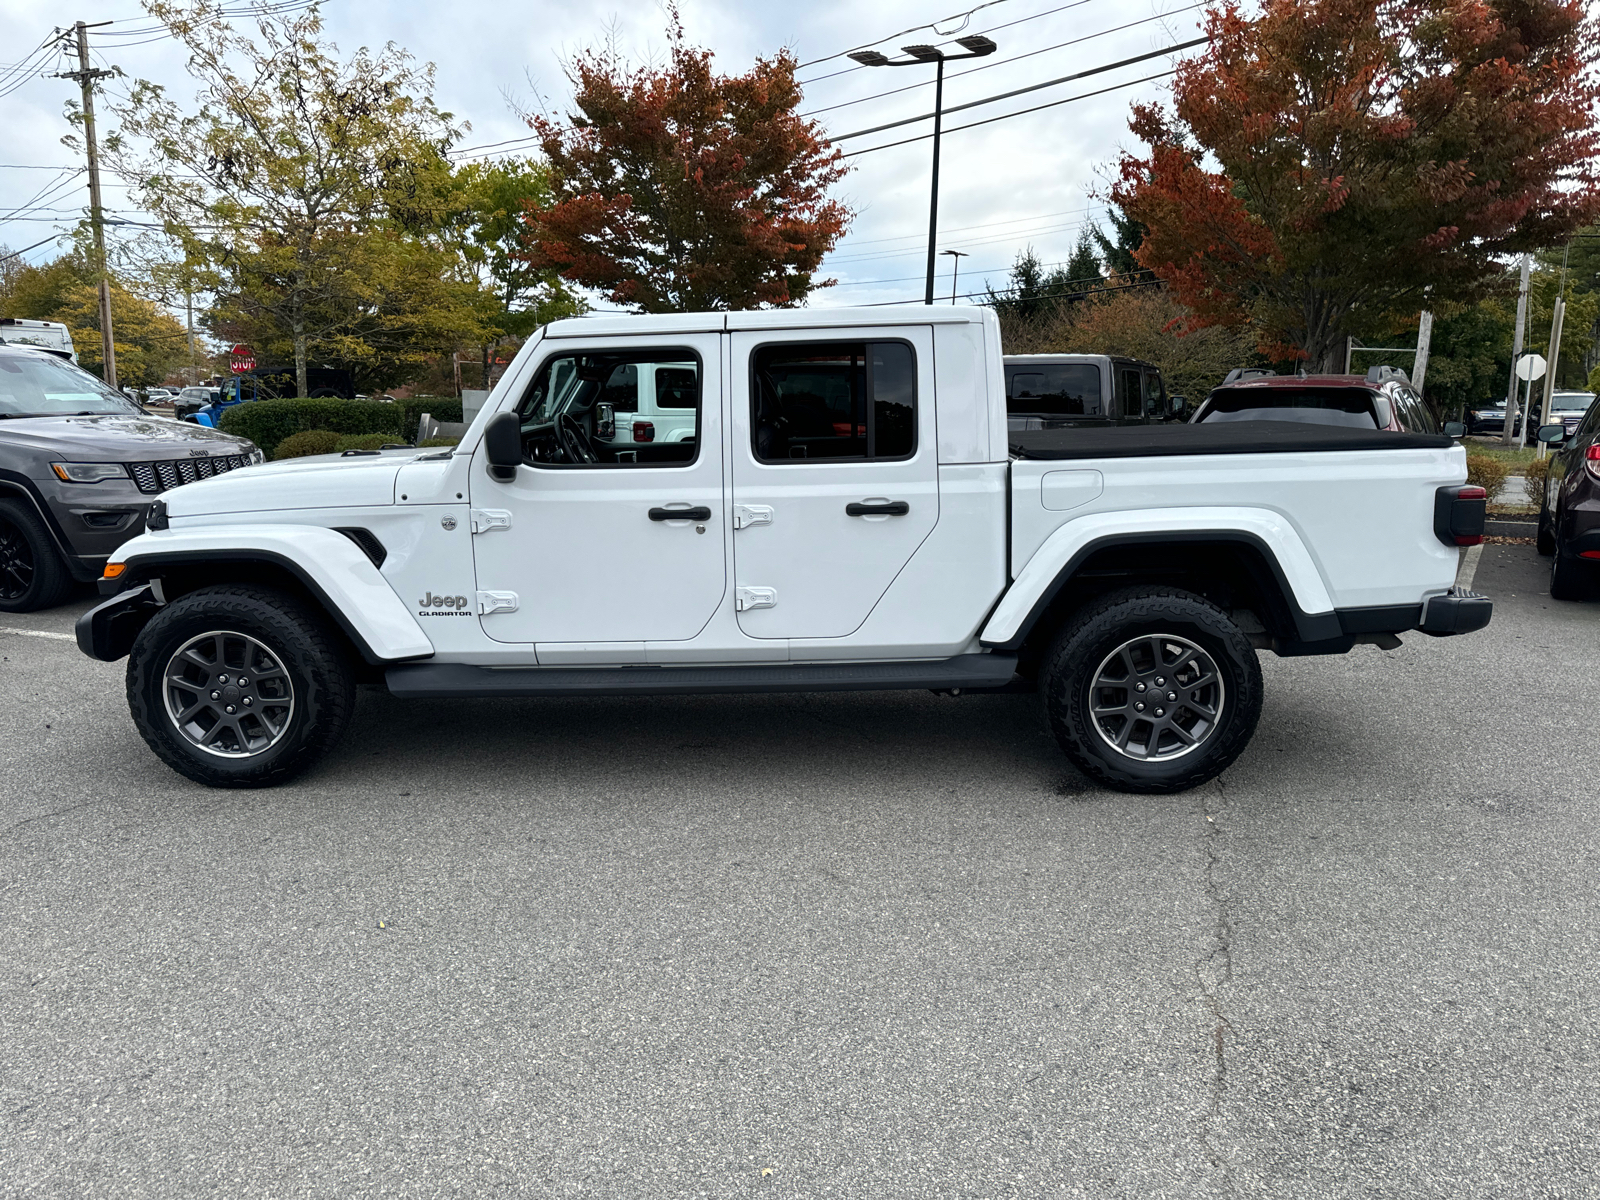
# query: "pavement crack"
x,y
45,816
1213,972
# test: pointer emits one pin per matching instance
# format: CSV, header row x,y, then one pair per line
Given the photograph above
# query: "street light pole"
x,y
976,46
955,270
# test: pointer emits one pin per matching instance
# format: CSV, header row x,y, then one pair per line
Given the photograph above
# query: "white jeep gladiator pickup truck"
x,y
849,512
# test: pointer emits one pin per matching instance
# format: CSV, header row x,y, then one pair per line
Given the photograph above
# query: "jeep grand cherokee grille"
x,y
153,477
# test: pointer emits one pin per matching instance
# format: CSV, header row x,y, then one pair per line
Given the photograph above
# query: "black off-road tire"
x,y
32,575
1095,633
308,652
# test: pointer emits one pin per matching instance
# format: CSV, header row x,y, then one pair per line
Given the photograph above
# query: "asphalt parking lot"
x,y
822,946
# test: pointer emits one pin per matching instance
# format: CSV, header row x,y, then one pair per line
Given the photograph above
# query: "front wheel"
x,y
32,575
239,686
1152,690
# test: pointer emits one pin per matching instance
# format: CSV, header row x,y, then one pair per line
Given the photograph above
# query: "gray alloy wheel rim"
x,y
16,563
1157,697
228,694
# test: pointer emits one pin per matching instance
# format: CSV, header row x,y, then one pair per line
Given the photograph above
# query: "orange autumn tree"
x,y
677,189
1327,161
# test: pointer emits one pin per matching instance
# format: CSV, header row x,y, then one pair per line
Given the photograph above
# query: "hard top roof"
x,y
1293,381
769,318
1045,360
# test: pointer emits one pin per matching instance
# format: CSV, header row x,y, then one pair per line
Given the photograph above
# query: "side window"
x,y
1155,396
833,400
1129,393
561,412
1054,390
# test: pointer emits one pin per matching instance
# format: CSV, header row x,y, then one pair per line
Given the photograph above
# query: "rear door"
x,y
835,474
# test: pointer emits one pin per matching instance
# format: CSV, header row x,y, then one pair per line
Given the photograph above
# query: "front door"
x,y
608,542
835,474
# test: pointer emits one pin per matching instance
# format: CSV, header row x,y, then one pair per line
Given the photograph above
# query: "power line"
x,y
1007,61
1082,292
1032,87
922,137
25,249
1013,235
1066,212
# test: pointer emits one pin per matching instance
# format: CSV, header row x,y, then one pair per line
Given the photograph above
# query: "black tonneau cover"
x,y
1224,437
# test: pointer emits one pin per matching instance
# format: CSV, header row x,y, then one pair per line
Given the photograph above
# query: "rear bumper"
x,y
1457,611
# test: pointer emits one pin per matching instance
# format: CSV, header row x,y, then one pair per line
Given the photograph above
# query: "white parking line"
x,y
1469,566
60,637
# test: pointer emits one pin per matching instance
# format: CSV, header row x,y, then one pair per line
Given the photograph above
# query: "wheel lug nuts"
x,y
216,695
229,709
1140,688
1161,682
248,702
242,681
1138,707
222,679
1172,695
1161,712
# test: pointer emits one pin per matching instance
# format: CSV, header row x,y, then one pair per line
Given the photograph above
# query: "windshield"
x,y
41,385
1571,401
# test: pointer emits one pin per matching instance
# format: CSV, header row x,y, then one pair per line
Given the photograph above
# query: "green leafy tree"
x,y
310,187
1118,250
1083,268
1031,292
679,189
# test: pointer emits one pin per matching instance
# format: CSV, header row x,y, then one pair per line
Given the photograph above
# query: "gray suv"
x,y
80,464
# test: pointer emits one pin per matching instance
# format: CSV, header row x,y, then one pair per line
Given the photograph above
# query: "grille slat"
x,y
153,478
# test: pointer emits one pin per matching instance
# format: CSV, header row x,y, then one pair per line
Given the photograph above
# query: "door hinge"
x,y
746,598
486,519
746,515
493,602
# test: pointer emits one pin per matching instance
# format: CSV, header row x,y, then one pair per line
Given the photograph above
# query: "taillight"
x,y
644,431
1591,459
1458,514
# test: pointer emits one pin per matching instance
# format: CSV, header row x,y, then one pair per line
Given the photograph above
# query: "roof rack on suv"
x,y
1385,374
1238,373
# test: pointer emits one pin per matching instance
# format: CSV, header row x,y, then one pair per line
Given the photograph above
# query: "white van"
x,y
47,335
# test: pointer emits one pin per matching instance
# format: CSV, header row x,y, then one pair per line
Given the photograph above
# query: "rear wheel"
x,y
239,686
1545,536
1152,690
1569,578
32,575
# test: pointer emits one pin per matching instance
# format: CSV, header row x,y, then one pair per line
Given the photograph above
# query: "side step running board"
x,y
433,681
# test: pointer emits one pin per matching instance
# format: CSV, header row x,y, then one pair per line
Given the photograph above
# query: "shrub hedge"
x,y
1487,472
307,442
268,422
1534,476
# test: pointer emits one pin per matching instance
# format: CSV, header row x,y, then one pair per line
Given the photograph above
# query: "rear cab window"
x,y
1055,390
1349,407
833,400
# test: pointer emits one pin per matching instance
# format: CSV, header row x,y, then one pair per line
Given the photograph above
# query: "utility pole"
x,y
85,77
1506,438
1558,318
1419,366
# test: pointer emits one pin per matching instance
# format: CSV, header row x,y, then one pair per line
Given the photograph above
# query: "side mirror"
x,y
1177,406
1455,429
1552,435
502,446
605,420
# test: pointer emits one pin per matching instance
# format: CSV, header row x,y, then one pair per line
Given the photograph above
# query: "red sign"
x,y
244,358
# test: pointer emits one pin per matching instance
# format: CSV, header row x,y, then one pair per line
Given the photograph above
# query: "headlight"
x,y
254,456
88,472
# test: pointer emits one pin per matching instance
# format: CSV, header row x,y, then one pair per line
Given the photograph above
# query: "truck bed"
x,y
1222,437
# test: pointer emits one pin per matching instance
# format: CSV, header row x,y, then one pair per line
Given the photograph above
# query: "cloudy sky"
x,y
1024,180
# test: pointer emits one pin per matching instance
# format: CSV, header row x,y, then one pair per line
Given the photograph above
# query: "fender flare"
x,y
330,566
1056,561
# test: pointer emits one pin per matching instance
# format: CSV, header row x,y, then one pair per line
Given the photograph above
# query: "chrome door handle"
x,y
700,513
888,508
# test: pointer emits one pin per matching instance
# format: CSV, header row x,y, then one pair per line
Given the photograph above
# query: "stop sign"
x,y
244,358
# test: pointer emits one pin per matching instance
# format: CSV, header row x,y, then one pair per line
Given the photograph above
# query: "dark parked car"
x,y
1381,399
1490,417
80,464
1569,513
1057,391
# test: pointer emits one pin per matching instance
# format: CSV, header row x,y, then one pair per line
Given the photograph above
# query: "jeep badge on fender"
x,y
454,602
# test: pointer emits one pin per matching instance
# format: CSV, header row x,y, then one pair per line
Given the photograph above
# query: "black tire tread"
x,y
52,581
1101,618
318,652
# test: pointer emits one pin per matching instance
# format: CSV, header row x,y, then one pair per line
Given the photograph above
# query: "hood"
x,y
116,438
325,481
